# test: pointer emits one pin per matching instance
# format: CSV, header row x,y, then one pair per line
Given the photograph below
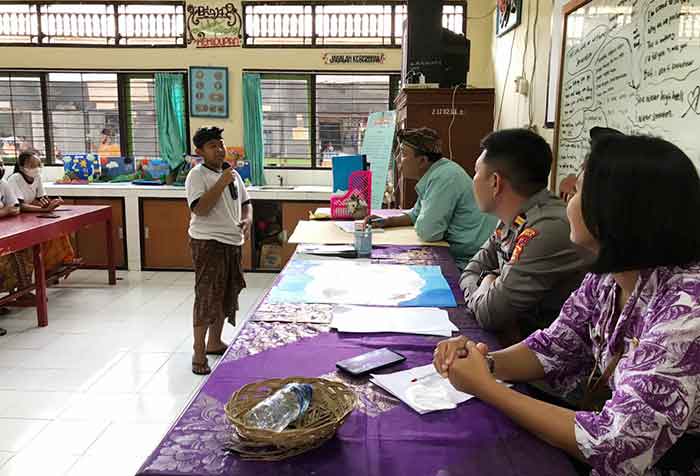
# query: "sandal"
x,y
201,368
220,351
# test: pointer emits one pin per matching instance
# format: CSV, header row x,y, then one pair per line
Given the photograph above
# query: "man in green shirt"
x,y
445,209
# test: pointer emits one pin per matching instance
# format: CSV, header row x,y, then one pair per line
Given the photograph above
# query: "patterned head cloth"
x,y
205,134
423,140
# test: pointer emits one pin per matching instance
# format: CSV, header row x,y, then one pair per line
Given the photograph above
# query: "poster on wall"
x,y
377,144
209,91
214,27
508,15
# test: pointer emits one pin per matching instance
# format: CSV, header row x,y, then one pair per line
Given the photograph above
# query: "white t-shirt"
x,y
26,192
222,221
7,196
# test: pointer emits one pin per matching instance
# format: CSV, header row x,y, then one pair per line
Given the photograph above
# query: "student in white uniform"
x,y
27,187
9,205
9,274
221,217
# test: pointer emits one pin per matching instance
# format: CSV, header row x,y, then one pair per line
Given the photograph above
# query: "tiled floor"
x,y
93,393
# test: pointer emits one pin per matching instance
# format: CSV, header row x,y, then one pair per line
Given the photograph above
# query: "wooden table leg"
x,y
109,238
42,311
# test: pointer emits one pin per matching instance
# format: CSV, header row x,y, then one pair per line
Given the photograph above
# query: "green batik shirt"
x,y
446,210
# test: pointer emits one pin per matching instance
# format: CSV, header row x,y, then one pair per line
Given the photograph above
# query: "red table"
x,y
29,230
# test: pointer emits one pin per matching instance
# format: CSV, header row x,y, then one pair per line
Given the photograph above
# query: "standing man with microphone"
x,y
221,218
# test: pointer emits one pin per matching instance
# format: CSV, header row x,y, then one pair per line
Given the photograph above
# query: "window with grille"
x,y
84,113
343,103
141,117
93,24
60,113
318,24
21,116
308,119
286,120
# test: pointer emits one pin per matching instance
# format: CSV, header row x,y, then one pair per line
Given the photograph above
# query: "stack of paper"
x,y
422,389
404,320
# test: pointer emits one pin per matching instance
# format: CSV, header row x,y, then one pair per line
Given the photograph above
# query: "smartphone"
x,y
370,362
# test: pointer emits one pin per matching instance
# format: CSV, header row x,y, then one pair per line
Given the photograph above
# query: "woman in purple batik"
x,y
633,327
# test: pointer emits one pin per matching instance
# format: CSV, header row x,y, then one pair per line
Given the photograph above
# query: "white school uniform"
x,y
24,191
222,221
7,195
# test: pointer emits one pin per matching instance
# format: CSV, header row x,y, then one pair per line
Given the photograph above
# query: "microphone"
x,y
232,186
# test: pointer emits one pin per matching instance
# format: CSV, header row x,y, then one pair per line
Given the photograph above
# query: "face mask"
x,y
32,173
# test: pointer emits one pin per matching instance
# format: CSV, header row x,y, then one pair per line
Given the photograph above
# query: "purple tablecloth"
x,y
382,436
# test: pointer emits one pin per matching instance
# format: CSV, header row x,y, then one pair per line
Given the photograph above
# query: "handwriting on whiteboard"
x,y
633,65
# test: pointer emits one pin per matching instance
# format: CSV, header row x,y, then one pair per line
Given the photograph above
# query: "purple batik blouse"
x,y
655,385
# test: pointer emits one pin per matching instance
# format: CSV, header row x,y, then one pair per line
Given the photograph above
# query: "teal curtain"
x,y
170,117
253,127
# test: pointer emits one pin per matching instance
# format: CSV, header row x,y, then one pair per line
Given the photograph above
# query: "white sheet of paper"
x,y
346,226
325,249
428,393
414,320
328,233
349,227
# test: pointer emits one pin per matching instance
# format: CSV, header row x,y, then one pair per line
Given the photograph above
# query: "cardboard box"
x,y
271,256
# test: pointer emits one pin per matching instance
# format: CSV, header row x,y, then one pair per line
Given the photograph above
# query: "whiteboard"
x,y
633,65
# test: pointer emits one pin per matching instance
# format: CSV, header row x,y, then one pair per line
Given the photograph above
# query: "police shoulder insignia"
x,y
520,243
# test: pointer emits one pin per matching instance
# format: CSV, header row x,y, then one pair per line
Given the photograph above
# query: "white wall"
x,y
516,49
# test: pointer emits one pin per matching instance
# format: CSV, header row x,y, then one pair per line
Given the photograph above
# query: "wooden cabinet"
x,y
165,242
90,240
165,239
473,120
292,212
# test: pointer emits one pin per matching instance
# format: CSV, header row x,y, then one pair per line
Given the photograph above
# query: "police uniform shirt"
x,y
536,265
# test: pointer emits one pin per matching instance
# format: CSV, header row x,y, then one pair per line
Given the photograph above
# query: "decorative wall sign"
x,y
508,15
214,27
354,58
208,91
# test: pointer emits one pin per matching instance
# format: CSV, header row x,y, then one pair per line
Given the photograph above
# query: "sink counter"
x,y
132,197
300,192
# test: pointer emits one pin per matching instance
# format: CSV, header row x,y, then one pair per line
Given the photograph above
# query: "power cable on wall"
x,y
531,101
453,111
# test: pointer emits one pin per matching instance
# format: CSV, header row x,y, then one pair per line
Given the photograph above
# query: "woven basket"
x,y
331,403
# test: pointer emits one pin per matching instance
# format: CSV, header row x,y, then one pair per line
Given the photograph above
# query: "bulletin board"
x,y
633,65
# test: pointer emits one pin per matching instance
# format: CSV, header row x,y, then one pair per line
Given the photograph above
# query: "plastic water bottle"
x,y
281,408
